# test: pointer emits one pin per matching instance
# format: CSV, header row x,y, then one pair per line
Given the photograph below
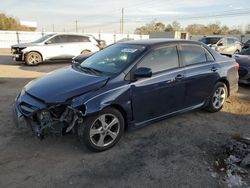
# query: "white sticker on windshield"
x,y
129,50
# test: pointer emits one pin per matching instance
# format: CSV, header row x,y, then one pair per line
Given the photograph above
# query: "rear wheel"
x,y
33,58
86,52
102,131
218,97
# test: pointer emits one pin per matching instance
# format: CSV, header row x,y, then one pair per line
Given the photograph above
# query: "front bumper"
x,y
19,119
24,108
17,54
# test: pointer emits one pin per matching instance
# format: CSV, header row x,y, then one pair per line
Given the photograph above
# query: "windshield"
x,y
245,51
207,40
113,59
45,37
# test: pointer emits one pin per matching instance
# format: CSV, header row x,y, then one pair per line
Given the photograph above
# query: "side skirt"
x,y
134,125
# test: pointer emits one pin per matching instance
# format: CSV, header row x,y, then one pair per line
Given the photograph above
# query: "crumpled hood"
x,y
24,45
62,84
243,60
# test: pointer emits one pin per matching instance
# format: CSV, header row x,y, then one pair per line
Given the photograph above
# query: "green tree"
x,y
10,23
248,29
150,27
169,28
176,26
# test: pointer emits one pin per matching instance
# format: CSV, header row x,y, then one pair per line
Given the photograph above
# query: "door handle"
x,y
179,77
214,69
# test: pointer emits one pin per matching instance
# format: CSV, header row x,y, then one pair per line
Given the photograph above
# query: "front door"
x,y
163,93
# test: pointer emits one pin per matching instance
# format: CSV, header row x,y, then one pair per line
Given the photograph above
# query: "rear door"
x,y
76,44
201,73
163,93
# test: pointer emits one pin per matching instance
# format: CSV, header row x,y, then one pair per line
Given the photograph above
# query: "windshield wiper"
x,y
91,70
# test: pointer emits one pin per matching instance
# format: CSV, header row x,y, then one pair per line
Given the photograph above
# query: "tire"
x,y
218,98
33,58
102,131
86,52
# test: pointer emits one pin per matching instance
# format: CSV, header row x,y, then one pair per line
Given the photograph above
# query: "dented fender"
x,y
97,101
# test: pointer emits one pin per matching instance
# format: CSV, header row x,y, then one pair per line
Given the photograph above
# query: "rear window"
x,y
210,40
78,38
192,54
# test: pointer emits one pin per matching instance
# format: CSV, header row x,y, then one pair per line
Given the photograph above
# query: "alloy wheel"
x,y
34,58
219,97
104,130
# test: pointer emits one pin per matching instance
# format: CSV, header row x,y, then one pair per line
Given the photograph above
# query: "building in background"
x,y
30,24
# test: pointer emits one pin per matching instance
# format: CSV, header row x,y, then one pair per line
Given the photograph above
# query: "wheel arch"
x,y
122,111
26,53
226,82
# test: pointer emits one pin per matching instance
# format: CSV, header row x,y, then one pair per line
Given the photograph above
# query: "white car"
x,y
54,47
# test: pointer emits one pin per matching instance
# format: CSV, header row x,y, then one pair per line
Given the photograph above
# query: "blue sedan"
x,y
126,85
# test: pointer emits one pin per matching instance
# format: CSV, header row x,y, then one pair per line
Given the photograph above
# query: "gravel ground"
x,y
177,152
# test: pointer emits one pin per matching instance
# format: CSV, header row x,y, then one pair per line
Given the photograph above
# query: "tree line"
x,y
10,23
194,29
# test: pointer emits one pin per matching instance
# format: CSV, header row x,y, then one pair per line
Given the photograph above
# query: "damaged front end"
x,y
45,119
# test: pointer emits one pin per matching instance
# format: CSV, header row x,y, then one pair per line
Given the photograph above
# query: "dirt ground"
x,y
177,152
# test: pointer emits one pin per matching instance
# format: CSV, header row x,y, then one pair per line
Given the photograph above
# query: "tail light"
x,y
98,46
237,66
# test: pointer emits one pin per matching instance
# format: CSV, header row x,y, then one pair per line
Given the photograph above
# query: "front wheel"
x,y
33,58
102,131
218,97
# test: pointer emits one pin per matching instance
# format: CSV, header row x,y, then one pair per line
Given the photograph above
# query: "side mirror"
x,y
48,42
143,72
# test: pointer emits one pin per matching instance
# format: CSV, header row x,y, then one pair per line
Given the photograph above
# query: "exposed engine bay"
x,y
56,119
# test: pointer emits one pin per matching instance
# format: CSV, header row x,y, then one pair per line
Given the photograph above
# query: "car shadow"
x,y
46,66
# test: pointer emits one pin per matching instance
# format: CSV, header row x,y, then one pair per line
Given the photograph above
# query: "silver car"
x,y
223,45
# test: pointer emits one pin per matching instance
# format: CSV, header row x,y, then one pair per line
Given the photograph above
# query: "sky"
x,y
104,16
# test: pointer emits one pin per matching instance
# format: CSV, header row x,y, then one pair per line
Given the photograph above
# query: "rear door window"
x,y
59,39
78,38
193,54
231,41
161,59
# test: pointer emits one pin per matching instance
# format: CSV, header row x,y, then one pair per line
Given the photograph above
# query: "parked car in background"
x,y
54,47
246,44
127,85
125,39
243,58
223,45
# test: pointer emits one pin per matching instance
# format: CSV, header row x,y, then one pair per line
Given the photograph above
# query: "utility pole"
x,y
76,26
120,25
53,27
122,21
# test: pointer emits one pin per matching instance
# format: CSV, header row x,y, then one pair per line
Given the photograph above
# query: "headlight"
x,y
44,117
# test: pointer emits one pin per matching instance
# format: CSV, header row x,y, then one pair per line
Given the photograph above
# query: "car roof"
x,y
76,34
153,42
